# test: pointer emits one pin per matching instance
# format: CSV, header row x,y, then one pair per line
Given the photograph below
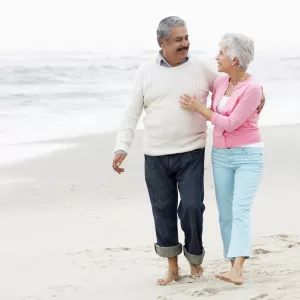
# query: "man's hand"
x,y
262,103
118,159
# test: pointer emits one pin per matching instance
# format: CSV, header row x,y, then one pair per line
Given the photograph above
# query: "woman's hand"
x,y
190,103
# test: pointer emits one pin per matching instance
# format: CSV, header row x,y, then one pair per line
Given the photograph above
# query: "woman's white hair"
x,y
240,46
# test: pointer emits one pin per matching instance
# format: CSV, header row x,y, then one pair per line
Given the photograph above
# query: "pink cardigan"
x,y
238,126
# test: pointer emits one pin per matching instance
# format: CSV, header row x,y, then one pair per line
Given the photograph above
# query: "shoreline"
x,y
50,146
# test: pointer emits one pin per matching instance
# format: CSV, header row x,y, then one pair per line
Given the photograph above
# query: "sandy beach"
x,y
72,229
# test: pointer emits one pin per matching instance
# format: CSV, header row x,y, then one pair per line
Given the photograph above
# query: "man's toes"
x,y
196,271
197,274
163,281
200,271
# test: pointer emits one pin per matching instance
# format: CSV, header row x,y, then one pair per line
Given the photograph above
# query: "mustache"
x,y
182,48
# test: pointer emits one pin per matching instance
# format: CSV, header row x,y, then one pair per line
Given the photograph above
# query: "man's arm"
x,y
131,116
210,73
129,122
262,103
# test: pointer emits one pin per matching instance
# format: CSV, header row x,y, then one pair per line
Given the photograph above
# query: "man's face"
x,y
177,46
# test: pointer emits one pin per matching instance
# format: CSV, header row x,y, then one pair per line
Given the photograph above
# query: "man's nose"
x,y
185,43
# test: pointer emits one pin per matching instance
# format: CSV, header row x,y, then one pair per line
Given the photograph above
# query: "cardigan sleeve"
x,y
246,106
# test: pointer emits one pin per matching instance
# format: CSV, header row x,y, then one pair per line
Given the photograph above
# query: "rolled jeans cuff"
x,y
168,251
194,259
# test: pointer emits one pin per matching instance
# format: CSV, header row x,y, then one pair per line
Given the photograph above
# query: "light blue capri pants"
x,y
237,174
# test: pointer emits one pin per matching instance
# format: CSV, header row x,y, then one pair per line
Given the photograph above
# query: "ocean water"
x,y
49,95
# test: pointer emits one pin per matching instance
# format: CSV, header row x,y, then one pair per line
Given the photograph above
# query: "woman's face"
x,y
224,63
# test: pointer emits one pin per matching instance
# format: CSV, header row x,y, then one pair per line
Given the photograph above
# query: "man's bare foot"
x,y
170,276
233,276
196,270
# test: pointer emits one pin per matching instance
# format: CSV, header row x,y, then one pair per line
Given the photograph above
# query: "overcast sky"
x,y
118,25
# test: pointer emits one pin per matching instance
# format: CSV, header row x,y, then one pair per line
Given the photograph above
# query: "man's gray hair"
x,y
240,46
166,25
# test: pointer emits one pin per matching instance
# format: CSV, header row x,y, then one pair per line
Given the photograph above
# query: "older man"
x,y
174,144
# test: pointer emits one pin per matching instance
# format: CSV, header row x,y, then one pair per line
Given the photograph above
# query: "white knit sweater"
x,y
169,129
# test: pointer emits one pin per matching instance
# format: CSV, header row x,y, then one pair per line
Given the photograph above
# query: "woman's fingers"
x,y
187,101
184,101
186,97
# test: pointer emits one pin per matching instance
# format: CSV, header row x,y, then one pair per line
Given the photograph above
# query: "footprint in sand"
x,y
191,279
198,293
283,236
117,249
261,296
288,238
186,279
73,188
260,251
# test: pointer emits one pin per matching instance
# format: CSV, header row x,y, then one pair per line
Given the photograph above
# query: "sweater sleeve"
x,y
210,74
211,107
131,115
243,110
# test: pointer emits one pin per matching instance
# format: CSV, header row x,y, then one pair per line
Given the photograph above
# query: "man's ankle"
x,y
173,263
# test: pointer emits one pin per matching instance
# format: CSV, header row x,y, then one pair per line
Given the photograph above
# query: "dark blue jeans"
x,y
165,176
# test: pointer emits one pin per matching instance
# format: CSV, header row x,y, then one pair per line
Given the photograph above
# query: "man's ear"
x,y
161,43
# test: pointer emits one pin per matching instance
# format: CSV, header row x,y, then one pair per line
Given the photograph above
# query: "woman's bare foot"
x,y
196,270
234,276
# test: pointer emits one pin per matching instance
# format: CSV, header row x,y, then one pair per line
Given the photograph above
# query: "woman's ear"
x,y
236,62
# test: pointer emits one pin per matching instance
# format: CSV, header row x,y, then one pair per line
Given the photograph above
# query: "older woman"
x,y
237,154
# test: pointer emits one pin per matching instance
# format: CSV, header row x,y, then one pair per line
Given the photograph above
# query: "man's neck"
x,y
166,60
170,61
